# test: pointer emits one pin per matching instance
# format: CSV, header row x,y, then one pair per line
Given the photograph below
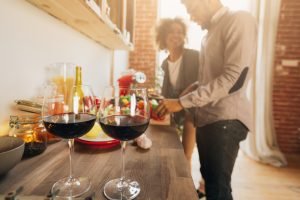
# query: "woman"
x,y
181,70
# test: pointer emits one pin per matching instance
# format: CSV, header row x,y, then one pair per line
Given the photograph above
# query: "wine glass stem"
x,y
71,149
123,147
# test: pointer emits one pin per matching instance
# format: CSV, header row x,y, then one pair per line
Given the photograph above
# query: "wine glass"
x,y
124,115
69,115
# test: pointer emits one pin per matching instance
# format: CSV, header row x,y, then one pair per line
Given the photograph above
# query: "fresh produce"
x,y
94,132
154,104
125,100
140,104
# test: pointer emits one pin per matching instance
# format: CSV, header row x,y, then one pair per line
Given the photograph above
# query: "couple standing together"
x,y
208,90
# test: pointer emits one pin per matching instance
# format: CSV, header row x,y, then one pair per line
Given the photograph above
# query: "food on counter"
x,y
33,149
154,104
125,100
64,84
144,142
140,104
124,107
94,132
28,106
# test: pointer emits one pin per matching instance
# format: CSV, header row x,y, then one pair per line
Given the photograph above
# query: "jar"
x,y
62,75
30,128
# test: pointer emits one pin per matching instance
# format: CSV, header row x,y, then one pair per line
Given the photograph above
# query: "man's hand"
x,y
168,106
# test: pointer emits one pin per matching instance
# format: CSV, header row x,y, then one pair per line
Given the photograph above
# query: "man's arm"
x,y
189,89
241,40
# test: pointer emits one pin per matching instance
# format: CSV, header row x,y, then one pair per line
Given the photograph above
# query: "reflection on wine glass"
x,y
124,115
69,117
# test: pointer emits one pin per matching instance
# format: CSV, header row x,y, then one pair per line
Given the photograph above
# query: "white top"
x,y
174,70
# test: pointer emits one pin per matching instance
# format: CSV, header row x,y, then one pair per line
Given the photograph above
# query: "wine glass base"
x,y
114,190
71,187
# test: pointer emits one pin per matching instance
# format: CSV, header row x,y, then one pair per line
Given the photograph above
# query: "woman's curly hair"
x,y
163,29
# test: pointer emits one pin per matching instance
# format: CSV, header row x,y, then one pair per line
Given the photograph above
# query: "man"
x,y
223,109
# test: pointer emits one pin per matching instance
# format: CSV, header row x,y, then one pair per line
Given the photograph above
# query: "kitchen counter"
x,y
162,171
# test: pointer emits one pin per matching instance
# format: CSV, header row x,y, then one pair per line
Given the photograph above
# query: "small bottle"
x,y
78,95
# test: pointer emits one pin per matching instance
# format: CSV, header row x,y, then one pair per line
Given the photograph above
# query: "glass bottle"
x,y
31,130
78,94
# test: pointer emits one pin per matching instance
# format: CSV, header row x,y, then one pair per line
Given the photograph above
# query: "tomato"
x,y
140,104
153,107
156,117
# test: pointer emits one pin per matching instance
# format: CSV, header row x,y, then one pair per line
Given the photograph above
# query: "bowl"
x,y
11,152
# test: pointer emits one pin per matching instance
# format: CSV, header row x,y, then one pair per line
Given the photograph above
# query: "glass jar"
x,y
62,75
31,130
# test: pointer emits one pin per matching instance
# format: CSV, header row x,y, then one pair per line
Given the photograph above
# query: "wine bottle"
x,y
78,95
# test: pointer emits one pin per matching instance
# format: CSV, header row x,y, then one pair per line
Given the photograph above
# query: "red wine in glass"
x,y
69,125
124,115
69,112
124,127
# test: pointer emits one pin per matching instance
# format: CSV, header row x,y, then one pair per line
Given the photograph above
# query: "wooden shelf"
x,y
77,14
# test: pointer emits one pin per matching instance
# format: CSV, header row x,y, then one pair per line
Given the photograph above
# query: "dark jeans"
x,y
218,145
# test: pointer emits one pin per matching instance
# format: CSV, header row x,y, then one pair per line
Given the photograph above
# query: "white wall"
x,y
30,39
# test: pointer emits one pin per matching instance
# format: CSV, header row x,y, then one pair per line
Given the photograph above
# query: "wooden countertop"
x,y
161,171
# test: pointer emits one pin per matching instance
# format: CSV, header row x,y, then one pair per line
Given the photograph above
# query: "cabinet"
x,y
85,17
123,14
